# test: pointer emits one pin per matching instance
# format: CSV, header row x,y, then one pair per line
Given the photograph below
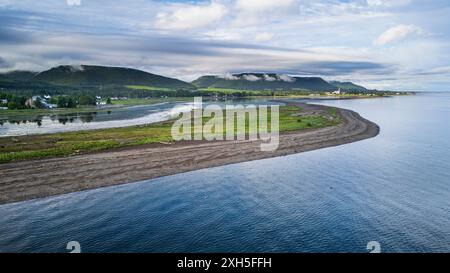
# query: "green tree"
x,y
71,103
13,105
17,102
62,102
87,100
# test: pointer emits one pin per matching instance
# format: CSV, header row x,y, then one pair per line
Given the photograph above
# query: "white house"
x,y
338,92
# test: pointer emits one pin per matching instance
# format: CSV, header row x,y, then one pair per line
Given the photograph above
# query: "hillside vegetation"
x,y
255,81
86,75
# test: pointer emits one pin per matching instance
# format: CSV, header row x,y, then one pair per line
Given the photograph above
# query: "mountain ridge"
x,y
349,86
94,75
261,81
81,76
19,75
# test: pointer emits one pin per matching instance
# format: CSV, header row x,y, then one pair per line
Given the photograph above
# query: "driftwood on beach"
x,y
46,177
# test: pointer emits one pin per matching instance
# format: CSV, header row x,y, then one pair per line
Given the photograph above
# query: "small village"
x,y
14,102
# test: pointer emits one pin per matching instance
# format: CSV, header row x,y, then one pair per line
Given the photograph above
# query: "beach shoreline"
x,y
26,180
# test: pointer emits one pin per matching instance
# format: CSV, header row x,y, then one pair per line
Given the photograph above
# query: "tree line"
x,y
16,102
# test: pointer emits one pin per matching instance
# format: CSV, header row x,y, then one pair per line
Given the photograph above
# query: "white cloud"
x,y
75,68
286,78
183,17
253,11
269,78
260,6
264,37
73,2
388,3
397,33
251,78
228,76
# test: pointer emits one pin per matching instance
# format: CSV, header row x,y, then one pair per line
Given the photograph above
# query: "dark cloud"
x,y
173,45
58,22
13,18
66,55
9,37
434,72
329,68
336,68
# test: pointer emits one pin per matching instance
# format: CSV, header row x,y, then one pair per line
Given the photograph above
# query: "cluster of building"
x,y
44,101
101,102
337,92
119,98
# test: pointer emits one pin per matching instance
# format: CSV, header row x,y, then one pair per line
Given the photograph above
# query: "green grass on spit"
x,y
73,143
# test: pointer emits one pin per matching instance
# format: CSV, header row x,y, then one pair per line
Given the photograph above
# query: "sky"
x,y
381,44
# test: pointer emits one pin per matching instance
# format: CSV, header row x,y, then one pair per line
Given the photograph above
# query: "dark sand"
x,y
26,180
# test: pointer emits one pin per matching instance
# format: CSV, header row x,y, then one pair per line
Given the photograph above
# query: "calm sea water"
x,y
394,189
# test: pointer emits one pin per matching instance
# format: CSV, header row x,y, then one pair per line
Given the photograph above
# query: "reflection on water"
x,y
61,118
117,117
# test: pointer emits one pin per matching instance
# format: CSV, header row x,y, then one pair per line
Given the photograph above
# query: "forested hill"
x,y
349,86
85,75
257,81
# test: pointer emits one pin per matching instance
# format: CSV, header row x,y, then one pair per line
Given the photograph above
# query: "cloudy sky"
x,y
384,44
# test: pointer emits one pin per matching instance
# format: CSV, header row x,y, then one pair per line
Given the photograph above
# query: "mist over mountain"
x,y
83,77
259,81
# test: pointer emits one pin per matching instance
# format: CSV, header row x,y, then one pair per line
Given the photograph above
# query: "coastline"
x,y
48,177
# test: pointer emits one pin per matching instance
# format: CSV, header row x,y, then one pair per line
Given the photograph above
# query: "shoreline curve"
x,y
33,179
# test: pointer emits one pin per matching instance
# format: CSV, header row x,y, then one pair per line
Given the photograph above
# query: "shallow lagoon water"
x,y
103,119
394,189
112,118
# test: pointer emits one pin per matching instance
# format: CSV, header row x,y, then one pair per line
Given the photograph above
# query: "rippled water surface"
x,y
394,189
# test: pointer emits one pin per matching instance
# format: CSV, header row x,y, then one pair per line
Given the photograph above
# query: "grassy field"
x,y
148,88
236,91
72,143
295,93
131,102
